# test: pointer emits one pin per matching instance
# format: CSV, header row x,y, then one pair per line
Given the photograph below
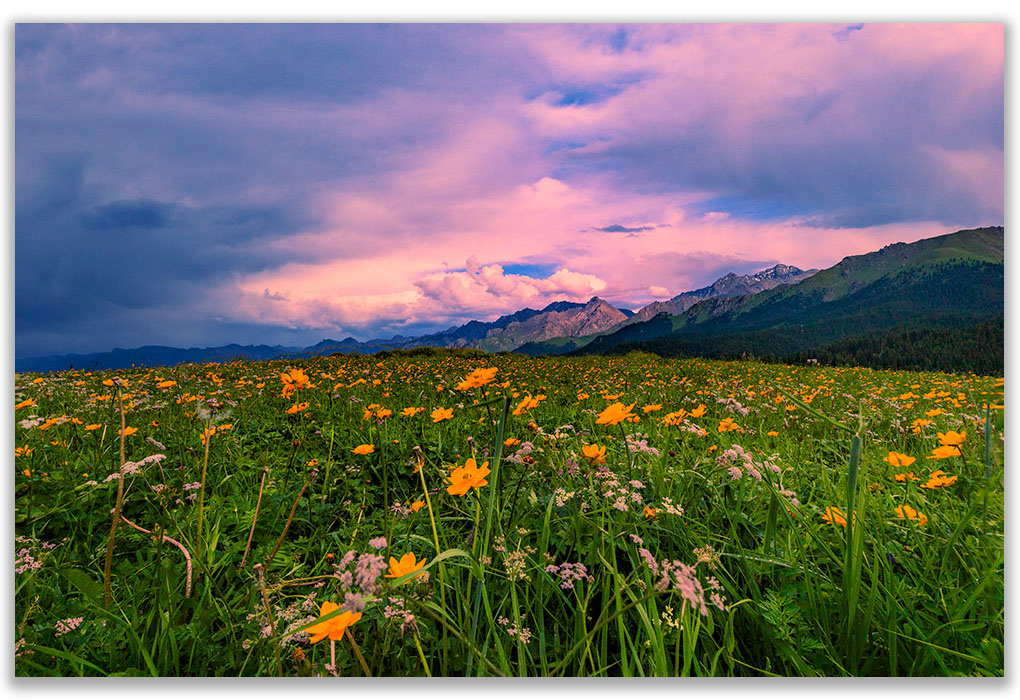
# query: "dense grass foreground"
x,y
444,514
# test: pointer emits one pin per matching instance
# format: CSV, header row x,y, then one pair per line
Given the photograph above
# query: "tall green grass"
x,y
799,596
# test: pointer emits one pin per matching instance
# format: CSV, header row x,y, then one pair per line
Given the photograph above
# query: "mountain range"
x,y
949,288
730,285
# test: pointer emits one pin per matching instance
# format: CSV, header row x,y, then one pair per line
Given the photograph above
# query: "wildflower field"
x,y
453,513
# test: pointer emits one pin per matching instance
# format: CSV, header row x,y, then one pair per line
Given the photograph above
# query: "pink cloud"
x,y
741,108
489,289
417,280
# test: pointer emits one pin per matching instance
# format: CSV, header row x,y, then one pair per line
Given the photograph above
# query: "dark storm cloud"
x,y
120,215
156,162
77,264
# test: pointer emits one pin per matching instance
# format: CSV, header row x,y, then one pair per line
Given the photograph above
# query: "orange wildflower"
x,y
378,412
616,413
478,378
406,565
334,627
905,512
294,380
462,479
526,405
899,460
834,516
441,414
918,424
674,418
938,479
951,438
594,454
728,424
364,449
945,452
208,433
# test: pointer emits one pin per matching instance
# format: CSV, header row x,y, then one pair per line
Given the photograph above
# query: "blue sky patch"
x,y
529,269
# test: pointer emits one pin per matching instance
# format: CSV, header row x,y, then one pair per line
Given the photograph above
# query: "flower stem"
x,y
419,464
171,540
108,567
626,449
357,653
260,575
421,655
311,476
207,438
258,503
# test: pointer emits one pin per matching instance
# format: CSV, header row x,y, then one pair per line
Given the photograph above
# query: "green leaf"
x,y
89,587
64,655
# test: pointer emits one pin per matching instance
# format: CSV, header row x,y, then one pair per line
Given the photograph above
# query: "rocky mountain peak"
x,y
778,271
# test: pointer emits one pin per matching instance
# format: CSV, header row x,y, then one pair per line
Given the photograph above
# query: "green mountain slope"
x,y
954,281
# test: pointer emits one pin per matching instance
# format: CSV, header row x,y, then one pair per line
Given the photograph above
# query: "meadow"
x,y
440,513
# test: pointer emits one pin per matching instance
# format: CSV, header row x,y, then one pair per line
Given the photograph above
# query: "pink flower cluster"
x,y
68,625
523,451
570,574
638,443
679,577
736,457
28,557
522,633
396,609
353,602
733,405
622,496
292,617
368,570
131,468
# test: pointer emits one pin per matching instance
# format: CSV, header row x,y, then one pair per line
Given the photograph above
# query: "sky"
x,y
197,185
